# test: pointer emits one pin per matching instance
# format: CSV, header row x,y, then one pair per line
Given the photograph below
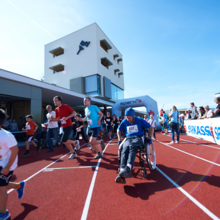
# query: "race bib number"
x,y
28,127
63,121
132,129
89,122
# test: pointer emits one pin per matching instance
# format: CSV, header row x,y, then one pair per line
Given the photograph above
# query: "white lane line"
x,y
188,141
39,171
89,195
9,191
218,148
197,203
65,168
190,154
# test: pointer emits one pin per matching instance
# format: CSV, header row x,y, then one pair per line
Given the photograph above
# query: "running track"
x,y
185,185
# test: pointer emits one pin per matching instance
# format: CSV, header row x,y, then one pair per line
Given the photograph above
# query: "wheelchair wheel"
x,y
151,156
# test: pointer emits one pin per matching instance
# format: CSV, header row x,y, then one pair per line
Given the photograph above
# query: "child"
x,y
80,130
8,163
30,128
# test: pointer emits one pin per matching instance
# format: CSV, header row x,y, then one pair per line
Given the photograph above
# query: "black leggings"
x,y
83,135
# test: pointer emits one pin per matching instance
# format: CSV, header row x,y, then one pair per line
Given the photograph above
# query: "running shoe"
x,y
90,146
102,145
26,154
126,173
72,156
21,189
176,142
172,142
77,145
5,216
98,155
120,179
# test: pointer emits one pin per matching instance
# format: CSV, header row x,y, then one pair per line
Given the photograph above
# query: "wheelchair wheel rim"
x,y
151,156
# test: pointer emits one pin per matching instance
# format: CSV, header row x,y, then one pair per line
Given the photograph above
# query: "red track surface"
x,y
62,193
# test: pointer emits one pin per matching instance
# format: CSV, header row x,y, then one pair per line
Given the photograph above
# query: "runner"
x,y
94,116
80,130
52,128
115,125
153,124
165,123
64,113
108,121
30,128
8,163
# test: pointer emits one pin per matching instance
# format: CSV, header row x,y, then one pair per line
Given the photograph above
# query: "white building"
x,y
86,62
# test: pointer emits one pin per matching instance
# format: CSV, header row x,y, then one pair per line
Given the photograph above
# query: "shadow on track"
x,y
181,177
27,209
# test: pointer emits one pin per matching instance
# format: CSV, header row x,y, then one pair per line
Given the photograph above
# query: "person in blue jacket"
x,y
134,128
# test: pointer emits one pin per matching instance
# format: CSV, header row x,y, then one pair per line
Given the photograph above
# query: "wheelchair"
x,y
146,155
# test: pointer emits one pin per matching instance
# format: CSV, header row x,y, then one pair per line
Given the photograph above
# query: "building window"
x,y
119,60
92,85
115,71
115,56
117,93
105,62
57,68
57,52
105,45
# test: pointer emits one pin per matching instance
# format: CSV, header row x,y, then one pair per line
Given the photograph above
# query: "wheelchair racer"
x,y
134,128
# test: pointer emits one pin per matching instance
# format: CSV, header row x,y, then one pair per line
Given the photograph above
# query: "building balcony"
x,y
57,68
105,62
57,51
105,45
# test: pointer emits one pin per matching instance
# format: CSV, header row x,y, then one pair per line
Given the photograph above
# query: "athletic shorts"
x,y
4,179
165,125
66,134
93,132
109,127
29,138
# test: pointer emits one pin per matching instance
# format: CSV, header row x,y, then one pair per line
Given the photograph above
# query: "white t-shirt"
x,y
208,114
52,124
7,140
152,123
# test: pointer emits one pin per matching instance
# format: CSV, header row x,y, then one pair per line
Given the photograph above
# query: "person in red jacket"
x,y
64,113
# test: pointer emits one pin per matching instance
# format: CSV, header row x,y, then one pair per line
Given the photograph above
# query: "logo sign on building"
x,y
82,45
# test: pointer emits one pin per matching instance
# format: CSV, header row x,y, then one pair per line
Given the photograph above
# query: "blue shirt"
x,y
134,129
92,116
175,116
165,118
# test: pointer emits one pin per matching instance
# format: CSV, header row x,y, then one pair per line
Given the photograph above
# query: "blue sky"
x,y
171,48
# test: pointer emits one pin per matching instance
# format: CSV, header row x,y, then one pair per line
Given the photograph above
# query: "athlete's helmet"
x,y
130,112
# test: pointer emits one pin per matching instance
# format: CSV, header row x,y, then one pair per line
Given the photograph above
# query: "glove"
x,y
119,143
